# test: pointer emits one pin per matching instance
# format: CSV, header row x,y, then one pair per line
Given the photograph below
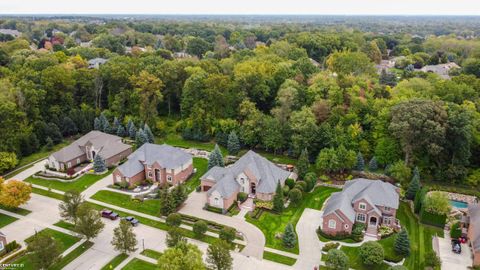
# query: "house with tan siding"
x,y
162,164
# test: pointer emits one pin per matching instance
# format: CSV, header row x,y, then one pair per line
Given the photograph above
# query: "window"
x,y
387,208
150,174
387,221
346,226
243,180
69,164
362,206
78,161
361,217
169,178
216,201
332,224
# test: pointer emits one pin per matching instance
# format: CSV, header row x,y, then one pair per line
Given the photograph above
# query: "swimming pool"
x,y
458,204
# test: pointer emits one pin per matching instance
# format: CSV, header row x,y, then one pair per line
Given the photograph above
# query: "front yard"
x,y
150,207
137,264
271,224
80,184
5,220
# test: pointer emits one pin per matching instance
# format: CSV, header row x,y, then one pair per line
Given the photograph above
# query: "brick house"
x,y
110,147
474,231
372,202
3,241
158,163
251,174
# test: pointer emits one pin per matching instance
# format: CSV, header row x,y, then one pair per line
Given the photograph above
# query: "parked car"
x,y
109,214
132,221
456,246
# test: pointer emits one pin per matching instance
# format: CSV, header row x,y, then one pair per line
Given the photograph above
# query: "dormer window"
x,y
387,208
362,206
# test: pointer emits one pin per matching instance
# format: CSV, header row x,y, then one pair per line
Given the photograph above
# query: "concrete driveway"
x,y
451,260
253,236
309,246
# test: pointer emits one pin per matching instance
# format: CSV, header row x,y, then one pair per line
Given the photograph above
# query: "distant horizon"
x,y
235,14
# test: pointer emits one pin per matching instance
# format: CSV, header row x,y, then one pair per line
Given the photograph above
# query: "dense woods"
x,y
281,87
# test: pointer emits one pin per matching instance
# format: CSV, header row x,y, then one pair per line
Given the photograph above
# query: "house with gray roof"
x,y
251,174
162,164
371,202
474,231
109,147
442,70
96,62
3,241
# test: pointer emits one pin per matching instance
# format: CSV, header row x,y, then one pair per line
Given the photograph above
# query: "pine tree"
x,y
215,158
167,202
179,195
121,131
148,133
132,130
302,164
372,165
97,125
289,238
129,124
141,138
278,199
402,243
116,123
99,164
233,144
360,162
414,185
104,125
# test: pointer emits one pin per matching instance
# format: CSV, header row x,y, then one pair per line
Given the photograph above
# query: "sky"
x,y
324,7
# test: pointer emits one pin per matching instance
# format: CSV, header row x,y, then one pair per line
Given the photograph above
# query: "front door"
x,y
157,175
252,188
373,221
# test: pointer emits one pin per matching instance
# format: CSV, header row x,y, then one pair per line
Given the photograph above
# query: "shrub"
x,y
264,204
337,260
227,234
385,231
330,245
242,196
357,231
11,246
174,219
419,197
371,253
200,228
432,260
436,202
286,189
301,185
295,196
290,183
311,180
455,231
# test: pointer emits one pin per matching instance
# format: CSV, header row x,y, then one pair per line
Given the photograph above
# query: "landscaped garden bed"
x,y
79,184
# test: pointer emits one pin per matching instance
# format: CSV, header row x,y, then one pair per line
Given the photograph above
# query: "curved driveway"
x,y
253,236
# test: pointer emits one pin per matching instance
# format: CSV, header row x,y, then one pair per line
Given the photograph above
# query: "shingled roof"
x,y
474,212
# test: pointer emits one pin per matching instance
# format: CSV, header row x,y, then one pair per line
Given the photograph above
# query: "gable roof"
x,y
265,172
474,212
107,145
166,156
339,201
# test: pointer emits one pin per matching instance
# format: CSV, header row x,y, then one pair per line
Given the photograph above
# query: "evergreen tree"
x,y
215,158
116,123
360,162
97,125
148,133
121,131
178,195
99,164
233,144
132,130
373,165
104,125
124,239
289,238
303,164
141,138
402,243
167,203
68,127
129,124
278,199
414,185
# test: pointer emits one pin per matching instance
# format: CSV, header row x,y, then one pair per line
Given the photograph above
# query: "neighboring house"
x,y
372,202
3,241
252,174
474,231
14,33
442,70
385,65
110,147
157,163
96,62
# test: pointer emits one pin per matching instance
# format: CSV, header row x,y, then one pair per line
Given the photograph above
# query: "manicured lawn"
x,y
65,225
150,207
80,184
72,256
271,224
272,157
151,253
47,193
5,220
201,165
390,254
420,236
18,210
137,264
274,257
324,239
356,261
115,261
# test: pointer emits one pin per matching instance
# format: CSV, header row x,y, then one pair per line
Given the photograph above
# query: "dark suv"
x,y
109,214
132,221
456,246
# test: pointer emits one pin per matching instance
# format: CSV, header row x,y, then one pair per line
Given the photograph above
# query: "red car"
x,y
109,214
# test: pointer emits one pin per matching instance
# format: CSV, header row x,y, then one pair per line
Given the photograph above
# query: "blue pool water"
x,y
458,204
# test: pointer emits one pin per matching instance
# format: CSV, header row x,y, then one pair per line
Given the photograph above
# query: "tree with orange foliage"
x,y
14,193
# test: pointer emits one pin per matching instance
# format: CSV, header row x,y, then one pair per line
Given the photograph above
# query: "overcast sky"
x,y
347,7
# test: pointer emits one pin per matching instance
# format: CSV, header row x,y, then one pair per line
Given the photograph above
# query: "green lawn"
x,y
47,193
72,256
18,210
5,220
151,253
80,184
201,165
150,207
420,236
115,261
390,254
356,262
270,223
137,264
65,225
274,257
64,241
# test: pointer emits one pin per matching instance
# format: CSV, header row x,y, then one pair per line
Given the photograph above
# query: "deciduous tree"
x,y
124,239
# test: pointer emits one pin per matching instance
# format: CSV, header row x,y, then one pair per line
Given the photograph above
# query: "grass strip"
x,y
274,257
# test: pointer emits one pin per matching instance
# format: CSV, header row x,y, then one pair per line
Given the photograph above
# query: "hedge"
x,y
432,219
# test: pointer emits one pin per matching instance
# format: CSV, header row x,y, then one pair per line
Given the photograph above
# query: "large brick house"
x,y
3,241
158,163
251,174
110,147
474,231
372,202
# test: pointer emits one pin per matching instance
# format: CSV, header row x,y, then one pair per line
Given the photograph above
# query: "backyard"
x,y
80,184
270,223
